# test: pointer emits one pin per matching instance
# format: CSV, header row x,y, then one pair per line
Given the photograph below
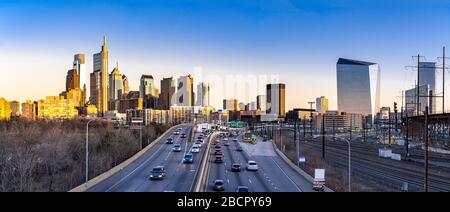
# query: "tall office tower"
x,y
241,106
411,105
72,80
276,99
185,91
15,109
115,89
167,91
261,103
79,64
203,94
230,104
95,89
126,87
321,104
358,87
427,76
252,106
146,86
101,64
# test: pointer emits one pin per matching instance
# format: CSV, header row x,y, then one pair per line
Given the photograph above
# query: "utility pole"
x,y
389,125
426,149
443,78
407,135
351,126
311,116
323,136
418,84
395,117
304,128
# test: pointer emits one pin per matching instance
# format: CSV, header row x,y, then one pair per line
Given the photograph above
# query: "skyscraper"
x,y
261,103
427,76
15,108
358,87
167,91
115,88
185,91
126,87
101,65
321,104
203,94
276,99
79,64
72,80
95,85
146,86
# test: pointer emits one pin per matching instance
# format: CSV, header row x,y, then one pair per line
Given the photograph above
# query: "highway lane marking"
x,y
138,167
298,188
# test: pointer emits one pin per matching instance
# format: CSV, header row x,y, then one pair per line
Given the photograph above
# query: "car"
x,y
188,158
183,135
195,149
239,148
176,133
226,143
225,139
219,159
199,140
157,173
252,166
179,129
235,139
176,148
199,144
217,146
218,185
242,189
236,167
169,141
218,152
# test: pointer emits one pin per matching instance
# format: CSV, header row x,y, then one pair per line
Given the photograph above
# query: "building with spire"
x,y
115,88
101,66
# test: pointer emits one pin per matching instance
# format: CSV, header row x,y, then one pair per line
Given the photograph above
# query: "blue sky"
x,y
298,40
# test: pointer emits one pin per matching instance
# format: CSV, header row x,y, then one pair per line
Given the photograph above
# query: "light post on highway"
x,y
87,148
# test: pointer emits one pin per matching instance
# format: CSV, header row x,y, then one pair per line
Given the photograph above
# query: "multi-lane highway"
x,y
179,176
274,175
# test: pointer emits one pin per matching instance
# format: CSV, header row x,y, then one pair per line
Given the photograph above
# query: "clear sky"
x,y
300,41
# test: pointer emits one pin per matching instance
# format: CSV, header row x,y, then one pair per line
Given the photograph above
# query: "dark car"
x,y
188,158
157,173
236,167
239,148
183,135
219,159
218,185
242,189
226,143
217,146
218,152
169,141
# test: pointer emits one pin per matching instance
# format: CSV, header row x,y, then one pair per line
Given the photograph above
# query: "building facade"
x,y
276,99
56,107
321,104
203,94
167,91
184,95
115,89
79,64
230,104
261,103
101,68
358,87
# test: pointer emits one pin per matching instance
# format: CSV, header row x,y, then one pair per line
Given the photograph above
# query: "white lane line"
x,y
138,167
296,186
249,181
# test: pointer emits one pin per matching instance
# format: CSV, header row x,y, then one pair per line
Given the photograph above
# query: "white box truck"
x,y
319,180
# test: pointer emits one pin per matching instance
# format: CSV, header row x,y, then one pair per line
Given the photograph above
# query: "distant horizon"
x,y
298,41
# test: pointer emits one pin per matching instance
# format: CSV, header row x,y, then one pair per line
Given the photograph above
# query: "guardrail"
x,y
94,181
308,177
201,179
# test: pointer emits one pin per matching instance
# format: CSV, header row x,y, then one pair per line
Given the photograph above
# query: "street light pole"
x,y
87,149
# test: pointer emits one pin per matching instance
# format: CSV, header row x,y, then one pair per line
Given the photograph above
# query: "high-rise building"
x,y
79,64
27,110
185,91
72,80
115,89
5,109
427,76
276,99
241,106
126,87
358,87
76,96
261,103
230,104
411,106
203,94
101,65
167,91
321,104
15,108
146,85
95,90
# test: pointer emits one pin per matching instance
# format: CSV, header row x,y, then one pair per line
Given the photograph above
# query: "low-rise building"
x,y
56,107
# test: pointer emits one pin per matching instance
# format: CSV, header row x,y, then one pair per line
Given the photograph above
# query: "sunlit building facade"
x,y
56,107
5,109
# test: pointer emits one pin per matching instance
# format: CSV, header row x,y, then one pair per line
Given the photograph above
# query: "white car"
x,y
195,149
252,166
199,145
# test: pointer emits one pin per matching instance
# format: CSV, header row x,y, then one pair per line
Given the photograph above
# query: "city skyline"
x,y
232,49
